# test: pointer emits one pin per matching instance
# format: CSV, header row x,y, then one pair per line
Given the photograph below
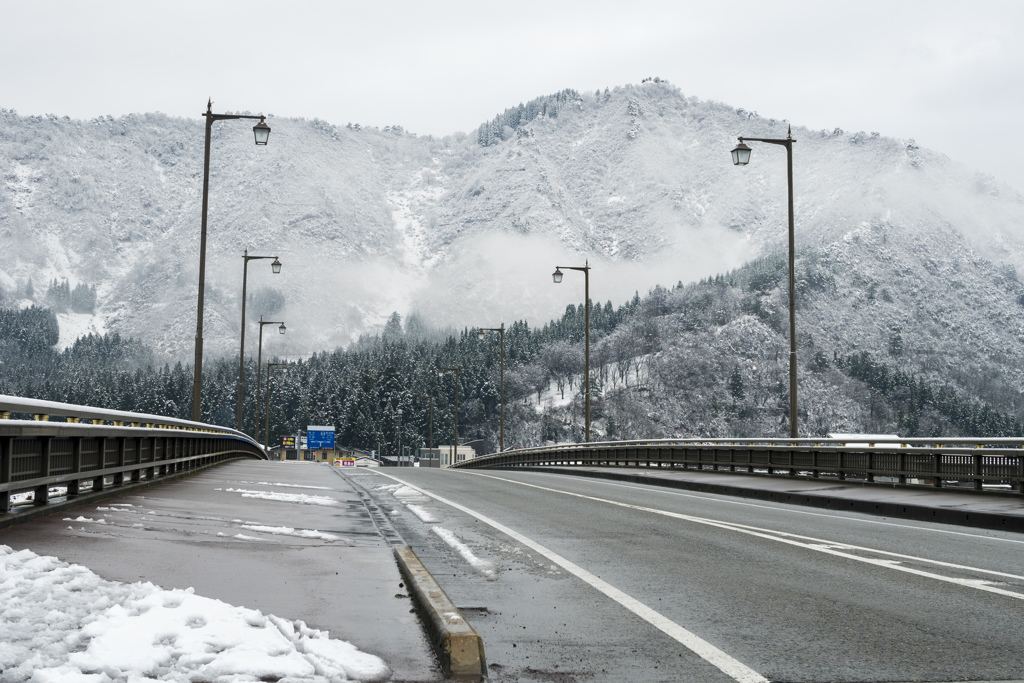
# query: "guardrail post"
x,y
937,482
976,471
1020,474
871,466
841,470
119,476
76,465
5,473
101,443
42,492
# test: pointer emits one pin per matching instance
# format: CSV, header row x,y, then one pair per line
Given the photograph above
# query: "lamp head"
x,y
741,155
557,275
282,328
480,334
276,265
262,132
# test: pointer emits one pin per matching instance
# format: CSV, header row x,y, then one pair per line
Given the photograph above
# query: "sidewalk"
x,y
946,506
292,540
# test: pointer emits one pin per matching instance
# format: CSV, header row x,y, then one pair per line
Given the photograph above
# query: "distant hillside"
x,y
465,230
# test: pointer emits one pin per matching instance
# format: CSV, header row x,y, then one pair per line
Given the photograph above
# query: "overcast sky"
x,y
948,74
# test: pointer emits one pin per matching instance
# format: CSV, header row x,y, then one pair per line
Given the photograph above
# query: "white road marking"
x,y
718,498
705,650
774,536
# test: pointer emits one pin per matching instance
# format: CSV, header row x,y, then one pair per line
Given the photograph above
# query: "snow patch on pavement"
x,y
85,519
64,623
289,531
293,486
485,567
301,498
421,512
412,499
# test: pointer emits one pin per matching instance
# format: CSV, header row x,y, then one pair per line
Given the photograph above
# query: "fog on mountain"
x,y
396,246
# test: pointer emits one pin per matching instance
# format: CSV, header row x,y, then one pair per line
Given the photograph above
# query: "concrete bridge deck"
x,y
569,578
210,532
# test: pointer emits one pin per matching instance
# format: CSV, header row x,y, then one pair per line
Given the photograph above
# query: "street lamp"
x,y
741,157
455,415
266,433
259,362
399,436
557,277
501,334
430,422
262,132
276,267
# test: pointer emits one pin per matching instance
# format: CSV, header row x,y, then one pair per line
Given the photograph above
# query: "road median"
x,y
459,648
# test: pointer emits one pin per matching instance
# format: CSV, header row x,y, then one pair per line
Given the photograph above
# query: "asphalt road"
x,y
571,579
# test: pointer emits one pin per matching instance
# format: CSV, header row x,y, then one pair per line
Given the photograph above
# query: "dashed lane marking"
x,y
702,648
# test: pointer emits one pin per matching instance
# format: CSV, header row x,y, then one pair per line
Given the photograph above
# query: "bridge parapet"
x,y
94,445
989,465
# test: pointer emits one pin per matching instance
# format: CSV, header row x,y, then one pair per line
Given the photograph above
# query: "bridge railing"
x,y
93,448
991,465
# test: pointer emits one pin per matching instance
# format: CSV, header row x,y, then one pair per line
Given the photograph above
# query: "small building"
x,y
445,456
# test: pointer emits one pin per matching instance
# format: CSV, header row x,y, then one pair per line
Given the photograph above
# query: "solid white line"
x,y
772,536
718,498
705,650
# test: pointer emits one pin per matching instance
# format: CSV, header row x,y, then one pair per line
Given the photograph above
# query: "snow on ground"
x,y
75,325
63,623
85,519
292,486
421,512
301,498
485,567
29,496
412,499
289,531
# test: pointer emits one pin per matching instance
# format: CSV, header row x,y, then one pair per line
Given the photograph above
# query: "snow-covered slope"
x,y
637,179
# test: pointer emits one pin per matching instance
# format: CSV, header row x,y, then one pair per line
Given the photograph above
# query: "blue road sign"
x,y
319,437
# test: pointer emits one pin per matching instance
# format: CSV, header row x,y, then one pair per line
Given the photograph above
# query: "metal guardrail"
x,y
94,445
991,465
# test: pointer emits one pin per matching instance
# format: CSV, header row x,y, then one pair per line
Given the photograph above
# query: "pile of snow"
x,y
64,623
485,567
294,486
80,518
412,499
30,496
289,531
424,514
301,498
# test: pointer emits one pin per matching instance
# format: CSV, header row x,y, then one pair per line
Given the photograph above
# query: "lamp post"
x,y
261,131
741,157
455,415
266,432
501,335
259,361
398,414
557,277
276,267
430,422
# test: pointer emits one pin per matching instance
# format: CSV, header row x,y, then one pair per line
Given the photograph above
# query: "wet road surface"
x,y
571,579
225,532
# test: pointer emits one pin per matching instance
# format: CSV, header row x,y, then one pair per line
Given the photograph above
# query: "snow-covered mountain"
x,y
466,229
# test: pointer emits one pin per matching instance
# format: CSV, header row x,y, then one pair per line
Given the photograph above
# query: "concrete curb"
x,y
33,512
920,513
459,648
